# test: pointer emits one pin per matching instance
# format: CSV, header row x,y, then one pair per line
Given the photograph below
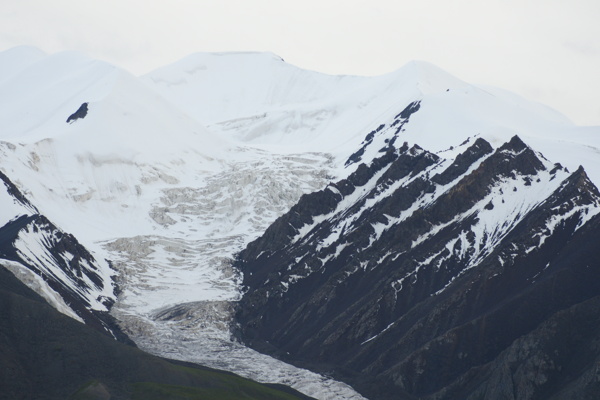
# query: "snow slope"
x,y
14,60
258,99
108,166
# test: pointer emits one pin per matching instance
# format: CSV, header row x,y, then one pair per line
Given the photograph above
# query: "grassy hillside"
x,y
46,355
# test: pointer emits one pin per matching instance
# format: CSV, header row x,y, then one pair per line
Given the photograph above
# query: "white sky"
x,y
545,50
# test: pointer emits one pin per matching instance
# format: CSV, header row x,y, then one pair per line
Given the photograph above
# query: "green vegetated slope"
x,y
46,355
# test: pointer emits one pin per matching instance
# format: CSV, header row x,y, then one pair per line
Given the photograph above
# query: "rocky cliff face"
x,y
420,276
55,263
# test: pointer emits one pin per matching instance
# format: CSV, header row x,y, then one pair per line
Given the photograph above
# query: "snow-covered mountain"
x,y
170,175
54,263
258,99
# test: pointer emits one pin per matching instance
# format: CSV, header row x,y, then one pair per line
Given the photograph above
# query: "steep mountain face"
x,y
55,263
424,277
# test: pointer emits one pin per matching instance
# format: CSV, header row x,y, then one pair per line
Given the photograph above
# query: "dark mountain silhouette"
x,y
418,277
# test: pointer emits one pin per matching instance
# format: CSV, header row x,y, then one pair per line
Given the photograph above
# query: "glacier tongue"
x,y
179,288
199,332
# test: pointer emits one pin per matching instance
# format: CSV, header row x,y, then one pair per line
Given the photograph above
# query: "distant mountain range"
x,y
411,235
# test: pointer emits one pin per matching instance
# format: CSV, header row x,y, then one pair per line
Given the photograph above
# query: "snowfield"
x,y
171,174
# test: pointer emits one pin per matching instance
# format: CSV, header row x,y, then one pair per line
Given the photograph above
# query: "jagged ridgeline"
x,y
55,263
474,277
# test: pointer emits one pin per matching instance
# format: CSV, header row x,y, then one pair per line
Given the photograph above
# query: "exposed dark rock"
x,y
409,110
463,161
67,267
400,293
15,192
400,120
79,114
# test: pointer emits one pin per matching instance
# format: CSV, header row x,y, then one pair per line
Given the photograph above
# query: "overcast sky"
x,y
545,50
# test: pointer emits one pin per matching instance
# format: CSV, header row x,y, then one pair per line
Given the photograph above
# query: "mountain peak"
x,y
14,60
225,62
23,51
428,77
515,144
248,55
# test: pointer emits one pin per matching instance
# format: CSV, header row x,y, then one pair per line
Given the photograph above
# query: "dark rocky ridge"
x,y
429,307
79,114
15,192
399,121
65,254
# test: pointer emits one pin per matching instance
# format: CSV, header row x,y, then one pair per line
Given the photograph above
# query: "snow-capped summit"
x,y
217,87
257,99
35,98
16,59
129,142
39,98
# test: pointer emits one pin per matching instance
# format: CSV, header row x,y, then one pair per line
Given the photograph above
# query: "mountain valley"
x,y
402,236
